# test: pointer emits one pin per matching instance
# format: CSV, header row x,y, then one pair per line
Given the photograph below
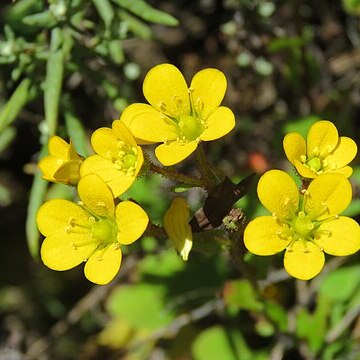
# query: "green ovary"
x,y
303,225
130,160
314,164
190,126
105,231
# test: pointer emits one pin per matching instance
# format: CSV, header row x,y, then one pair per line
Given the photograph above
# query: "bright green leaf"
x,y
52,89
147,12
17,101
37,195
220,343
142,305
239,294
344,280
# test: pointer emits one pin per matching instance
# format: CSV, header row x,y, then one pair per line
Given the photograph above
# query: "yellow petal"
x,y
123,133
344,237
48,165
345,171
303,170
329,194
116,180
72,153
105,143
176,224
343,154
59,253
166,90
96,196
131,220
148,125
68,173
174,152
55,215
304,260
208,88
322,139
58,147
279,194
219,123
260,236
294,146
103,265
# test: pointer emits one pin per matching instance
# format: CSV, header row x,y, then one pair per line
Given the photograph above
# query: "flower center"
x,y
303,225
314,164
105,231
126,159
190,127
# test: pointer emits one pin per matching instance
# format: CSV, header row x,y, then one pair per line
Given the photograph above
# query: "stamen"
x,y
102,253
162,106
316,151
303,158
77,244
327,233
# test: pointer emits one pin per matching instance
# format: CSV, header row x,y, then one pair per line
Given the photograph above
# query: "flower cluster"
x,y
306,222
94,229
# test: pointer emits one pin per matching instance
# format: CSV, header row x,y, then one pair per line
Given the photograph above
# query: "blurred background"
x,y
68,67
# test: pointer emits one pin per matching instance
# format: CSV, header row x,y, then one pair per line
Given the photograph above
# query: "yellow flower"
x,y
176,224
118,160
178,116
323,152
63,162
92,231
304,223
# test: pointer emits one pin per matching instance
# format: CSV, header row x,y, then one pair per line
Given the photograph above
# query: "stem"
x,y
208,174
174,175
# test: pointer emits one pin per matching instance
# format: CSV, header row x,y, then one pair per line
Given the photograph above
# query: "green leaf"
x,y
19,9
344,280
161,265
116,51
277,314
105,11
44,19
77,133
138,27
352,6
6,137
5,195
239,294
15,104
52,89
37,195
220,343
181,188
147,12
291,42
141,305
313,327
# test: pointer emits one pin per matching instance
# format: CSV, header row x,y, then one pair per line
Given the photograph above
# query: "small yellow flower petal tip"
x,y
179,116
176,224
303,223
62,165
92,231
323,151
118,158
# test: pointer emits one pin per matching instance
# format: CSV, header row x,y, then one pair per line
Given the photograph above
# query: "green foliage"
x,y
69,67
223,343
239,294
